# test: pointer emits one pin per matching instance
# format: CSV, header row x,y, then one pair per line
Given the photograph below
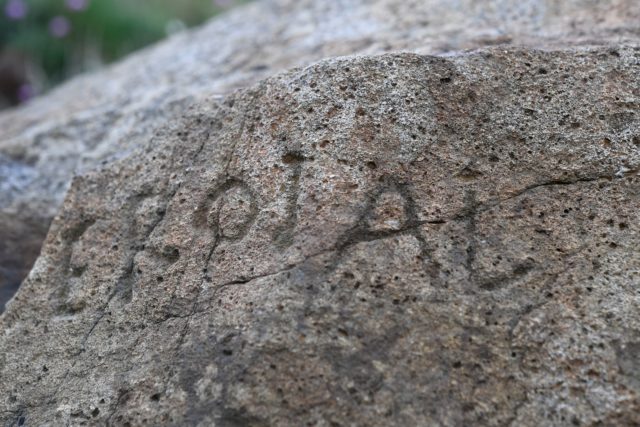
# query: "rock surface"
x,y
98,117
384,240
395,239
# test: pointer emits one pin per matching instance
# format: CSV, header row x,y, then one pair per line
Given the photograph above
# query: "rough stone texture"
x,y
105,115
395,239
382,240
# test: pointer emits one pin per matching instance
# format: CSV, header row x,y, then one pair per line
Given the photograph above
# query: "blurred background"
x,y
44,42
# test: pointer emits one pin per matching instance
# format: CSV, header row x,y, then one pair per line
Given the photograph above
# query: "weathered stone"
x,y
108,114
380,240
394,239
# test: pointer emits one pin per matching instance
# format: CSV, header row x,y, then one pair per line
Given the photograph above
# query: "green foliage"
x,y
100,33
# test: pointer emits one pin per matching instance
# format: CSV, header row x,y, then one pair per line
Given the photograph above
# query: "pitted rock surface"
x,y
391,239
97,118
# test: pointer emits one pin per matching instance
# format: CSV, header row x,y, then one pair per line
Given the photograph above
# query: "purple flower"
x,y
15,9
77,5
25,92
222,3
59,26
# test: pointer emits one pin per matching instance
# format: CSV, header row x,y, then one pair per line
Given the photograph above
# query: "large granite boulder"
x,y
99,117
384,239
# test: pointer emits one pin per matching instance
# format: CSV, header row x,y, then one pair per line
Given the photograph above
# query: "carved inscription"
x,y
145,213
283,237
74,265
230,210
390,211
